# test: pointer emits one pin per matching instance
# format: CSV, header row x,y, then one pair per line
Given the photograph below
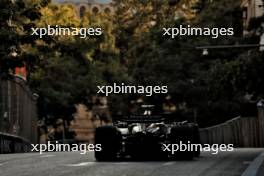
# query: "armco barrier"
x,y
18,115
240,131
13,144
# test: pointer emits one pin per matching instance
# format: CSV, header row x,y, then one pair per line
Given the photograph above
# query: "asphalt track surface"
x,y
74,164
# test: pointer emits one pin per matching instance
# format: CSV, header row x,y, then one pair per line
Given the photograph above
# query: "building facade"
x,y
251,9
92,6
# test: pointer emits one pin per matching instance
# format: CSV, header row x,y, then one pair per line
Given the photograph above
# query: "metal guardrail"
x,y
13,144
18,116
241,132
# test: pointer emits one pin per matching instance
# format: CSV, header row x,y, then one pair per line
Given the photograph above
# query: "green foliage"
x,y
192,83
66,70
240,77
16,18
71,68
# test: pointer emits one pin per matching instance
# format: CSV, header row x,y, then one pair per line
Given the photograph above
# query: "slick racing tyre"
x,y
181,136
196,140
110,140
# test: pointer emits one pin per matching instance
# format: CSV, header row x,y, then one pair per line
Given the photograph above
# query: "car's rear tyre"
x,y
196,140
182,136
110,140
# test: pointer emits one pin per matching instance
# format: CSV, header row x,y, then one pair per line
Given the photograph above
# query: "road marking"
x,y
1,164
46,156
168,163
119,163
81,164
247,162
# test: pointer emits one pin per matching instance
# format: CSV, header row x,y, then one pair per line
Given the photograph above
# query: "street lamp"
x,y
205,52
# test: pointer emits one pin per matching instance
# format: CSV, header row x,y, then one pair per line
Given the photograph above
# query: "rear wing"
x,y
141,119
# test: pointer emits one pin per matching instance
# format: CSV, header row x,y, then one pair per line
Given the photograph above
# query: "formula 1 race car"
x,y
144,137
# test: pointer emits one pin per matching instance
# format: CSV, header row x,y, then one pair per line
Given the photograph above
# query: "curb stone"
x,y
253,168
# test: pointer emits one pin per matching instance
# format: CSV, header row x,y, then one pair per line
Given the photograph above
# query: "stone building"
x,y
251,9
83,124
86,120
93,6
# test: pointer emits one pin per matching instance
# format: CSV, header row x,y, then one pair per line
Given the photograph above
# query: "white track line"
x,y
81,164
168,163
1,164
46,156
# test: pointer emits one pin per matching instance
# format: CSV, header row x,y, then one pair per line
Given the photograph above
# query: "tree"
x,y
16,18
155,59
235,79
241,75
71,68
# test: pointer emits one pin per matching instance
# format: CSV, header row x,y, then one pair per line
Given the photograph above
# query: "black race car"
x,y
144,137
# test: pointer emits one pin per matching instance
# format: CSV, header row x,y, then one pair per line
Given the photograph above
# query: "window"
x,y
107,10
95,10
245,12
82,11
